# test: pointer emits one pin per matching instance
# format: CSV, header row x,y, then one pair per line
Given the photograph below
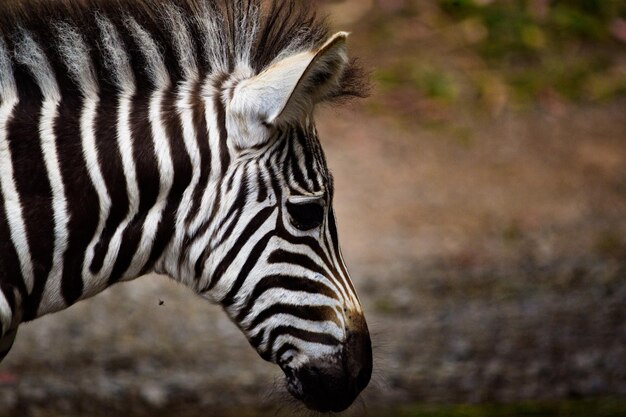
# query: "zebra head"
x,y
283,281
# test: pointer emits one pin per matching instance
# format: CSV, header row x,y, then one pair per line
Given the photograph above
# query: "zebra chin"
x,y
331,383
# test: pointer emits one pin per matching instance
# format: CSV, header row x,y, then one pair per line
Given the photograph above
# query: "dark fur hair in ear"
x,y
355,83
255,31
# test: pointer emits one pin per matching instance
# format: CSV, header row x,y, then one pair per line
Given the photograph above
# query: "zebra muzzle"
x,y
333,383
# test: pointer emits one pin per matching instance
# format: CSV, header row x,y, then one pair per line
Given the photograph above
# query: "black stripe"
x,y
305,335
307,312
293,258
234,213
251,261
284,348
294,158
148,181
316,150
217,201
314,245
215,206
243,238
33,187
261,186
256,341
182,177
220,115
332,230
202,139
273,185
309,160
287,282
199,266
110,162
224,158
82,200
309,241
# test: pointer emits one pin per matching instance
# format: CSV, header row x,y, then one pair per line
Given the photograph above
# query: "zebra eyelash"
x,y
317,198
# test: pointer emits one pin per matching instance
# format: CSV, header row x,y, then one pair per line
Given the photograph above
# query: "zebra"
x,y
177,137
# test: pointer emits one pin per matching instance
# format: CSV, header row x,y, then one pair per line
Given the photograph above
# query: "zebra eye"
x,y
305,216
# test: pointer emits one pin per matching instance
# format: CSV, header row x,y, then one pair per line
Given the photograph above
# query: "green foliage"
x,y
563,46
525,25
430,81
437,57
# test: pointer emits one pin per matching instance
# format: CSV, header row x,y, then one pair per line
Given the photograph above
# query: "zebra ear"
x,y
290,88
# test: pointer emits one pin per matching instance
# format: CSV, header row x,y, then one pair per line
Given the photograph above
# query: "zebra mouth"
x,y
293,383
319,389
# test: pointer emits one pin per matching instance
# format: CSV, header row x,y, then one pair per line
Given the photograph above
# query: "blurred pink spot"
x,y
618,29
7,378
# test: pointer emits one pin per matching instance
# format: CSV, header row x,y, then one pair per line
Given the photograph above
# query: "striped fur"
x,y
136,137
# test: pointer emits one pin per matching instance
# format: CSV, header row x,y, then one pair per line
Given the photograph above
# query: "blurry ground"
x,y
486,237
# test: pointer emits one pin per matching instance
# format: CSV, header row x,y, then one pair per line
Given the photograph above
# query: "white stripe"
x,y
118,62
305,250
337,259
246,35
90,153
77,57
313,350
157,72
166,175
296,298
75,53
181,41
228,201
6,315
116,59
213,136
8,90
49,113
224,285
185,112
213,38
29,53
12,203
124,143
328,327
159,75
301,161
196,250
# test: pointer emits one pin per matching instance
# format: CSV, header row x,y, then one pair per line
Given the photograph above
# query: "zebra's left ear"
x,y
291,87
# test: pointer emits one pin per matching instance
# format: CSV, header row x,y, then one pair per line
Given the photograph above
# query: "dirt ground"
x,y
492,269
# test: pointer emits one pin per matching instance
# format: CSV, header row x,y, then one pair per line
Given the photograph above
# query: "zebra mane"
x,y
96,45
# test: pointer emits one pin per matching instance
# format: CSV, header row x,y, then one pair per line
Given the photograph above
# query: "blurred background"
x,y
481,198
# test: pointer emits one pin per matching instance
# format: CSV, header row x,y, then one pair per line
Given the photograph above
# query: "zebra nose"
x,y
333,385
325,388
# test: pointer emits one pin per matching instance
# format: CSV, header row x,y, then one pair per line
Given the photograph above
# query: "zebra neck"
x,y
109,188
